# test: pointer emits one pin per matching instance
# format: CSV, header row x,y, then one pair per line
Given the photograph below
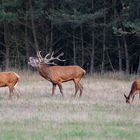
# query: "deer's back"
x,y
137,84
66,73
7,78
63,73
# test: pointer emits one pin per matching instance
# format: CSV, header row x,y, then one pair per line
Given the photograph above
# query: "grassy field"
x,y
101,113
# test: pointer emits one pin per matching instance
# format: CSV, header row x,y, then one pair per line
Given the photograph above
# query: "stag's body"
x,y
134,88
9,79
59,74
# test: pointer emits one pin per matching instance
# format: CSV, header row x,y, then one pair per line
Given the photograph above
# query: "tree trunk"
x,y
82,44
103,56
7,46
51,26
92,53
26,36
93,45
138,70
111,65
119,55
74,47
104,45
114,4
51,38
126,54
33,25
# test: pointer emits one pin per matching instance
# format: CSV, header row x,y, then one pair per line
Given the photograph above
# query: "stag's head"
x,y
48,59
127,99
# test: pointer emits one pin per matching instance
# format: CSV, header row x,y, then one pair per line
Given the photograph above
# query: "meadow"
x,y
100,114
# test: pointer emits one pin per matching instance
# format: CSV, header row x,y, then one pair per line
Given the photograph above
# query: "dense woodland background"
x,y
99,35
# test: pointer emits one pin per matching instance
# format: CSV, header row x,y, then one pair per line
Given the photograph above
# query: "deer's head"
x,y
127,99
48,59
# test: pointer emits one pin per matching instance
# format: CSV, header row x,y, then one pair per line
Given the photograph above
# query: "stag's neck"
x,y
43,68
44,71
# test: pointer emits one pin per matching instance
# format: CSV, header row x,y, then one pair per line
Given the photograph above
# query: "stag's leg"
x,y
17,92
76,89
60,87
77,86
53,89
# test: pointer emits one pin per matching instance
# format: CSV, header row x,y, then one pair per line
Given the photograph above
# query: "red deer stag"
x,y
57,74
9,79
135,87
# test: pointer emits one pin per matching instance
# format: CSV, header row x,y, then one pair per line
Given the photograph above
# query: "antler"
x,y
51,58
39,56
48,60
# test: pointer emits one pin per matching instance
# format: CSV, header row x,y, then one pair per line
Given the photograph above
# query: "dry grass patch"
x,y
100,114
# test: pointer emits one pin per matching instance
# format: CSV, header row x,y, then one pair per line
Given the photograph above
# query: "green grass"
x,y
98,131
97,126
101,114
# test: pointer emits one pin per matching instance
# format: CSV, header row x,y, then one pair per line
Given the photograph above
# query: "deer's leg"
x,y
60,87
77,86
81,89
133,95
17,92
53,89
10,92
76,89
132,98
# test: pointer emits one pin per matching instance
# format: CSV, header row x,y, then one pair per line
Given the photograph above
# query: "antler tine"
x,y
46,56
52,63
49,60
58,57
39,56
52,54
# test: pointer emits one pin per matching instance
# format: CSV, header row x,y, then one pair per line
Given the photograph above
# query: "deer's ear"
x,y
125,96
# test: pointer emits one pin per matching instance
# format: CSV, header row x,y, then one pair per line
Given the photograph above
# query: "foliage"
x,y
62,16
76,27
8,17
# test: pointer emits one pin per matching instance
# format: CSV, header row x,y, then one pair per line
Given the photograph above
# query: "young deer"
x,y
9,79
135,87
57,74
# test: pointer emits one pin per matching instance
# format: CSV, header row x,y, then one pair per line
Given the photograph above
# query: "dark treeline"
x,y
99,35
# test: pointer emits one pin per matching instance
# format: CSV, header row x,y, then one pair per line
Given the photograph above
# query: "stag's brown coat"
x,y
58,74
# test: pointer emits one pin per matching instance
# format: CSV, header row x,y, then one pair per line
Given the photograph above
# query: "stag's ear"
x,y
125,96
